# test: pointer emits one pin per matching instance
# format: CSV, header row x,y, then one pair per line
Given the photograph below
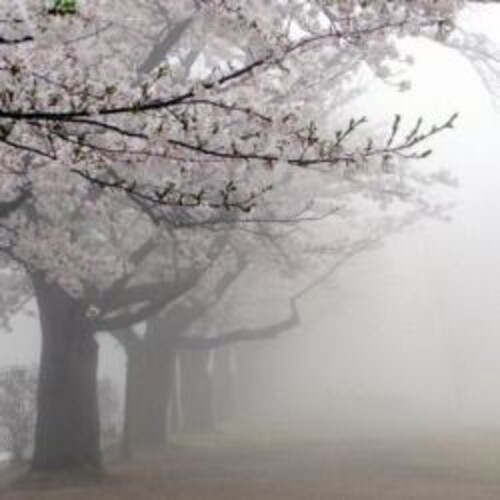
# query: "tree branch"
x,y
241,335
127,338
161,49
148,292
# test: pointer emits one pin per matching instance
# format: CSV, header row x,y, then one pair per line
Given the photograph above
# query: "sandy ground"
x,y
423,467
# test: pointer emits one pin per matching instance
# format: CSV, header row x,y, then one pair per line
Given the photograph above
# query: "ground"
x,y
384,466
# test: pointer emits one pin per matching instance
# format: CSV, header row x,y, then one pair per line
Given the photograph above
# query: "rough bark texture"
x,y
67,428
196,392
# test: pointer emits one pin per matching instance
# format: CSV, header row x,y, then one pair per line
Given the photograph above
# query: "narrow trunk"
x,y
196,392
67,428
149,385
175,414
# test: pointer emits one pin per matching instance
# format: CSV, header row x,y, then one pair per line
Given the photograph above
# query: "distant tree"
x,y
18,409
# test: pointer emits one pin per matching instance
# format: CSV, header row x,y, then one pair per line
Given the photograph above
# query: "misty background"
x,y
409,331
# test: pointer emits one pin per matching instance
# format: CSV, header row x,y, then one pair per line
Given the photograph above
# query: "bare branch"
x,y
243,334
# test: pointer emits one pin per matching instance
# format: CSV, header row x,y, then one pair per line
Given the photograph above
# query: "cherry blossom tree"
x,y
185,119
151,356
106,177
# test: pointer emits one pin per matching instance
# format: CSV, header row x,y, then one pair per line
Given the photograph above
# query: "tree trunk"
x,y
150,366
67,428
196,392
175,413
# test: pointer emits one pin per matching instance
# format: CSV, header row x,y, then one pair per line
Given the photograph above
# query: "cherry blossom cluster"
x,y
116,137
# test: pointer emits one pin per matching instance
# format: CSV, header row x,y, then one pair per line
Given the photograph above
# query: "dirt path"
x,y
418,468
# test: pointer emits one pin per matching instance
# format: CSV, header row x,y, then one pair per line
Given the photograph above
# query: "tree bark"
x,y
67,428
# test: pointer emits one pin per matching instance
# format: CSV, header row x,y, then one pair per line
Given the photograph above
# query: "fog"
x,y
407,330
402,338
407,334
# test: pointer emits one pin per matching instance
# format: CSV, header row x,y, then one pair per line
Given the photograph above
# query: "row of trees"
x,y
144,198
